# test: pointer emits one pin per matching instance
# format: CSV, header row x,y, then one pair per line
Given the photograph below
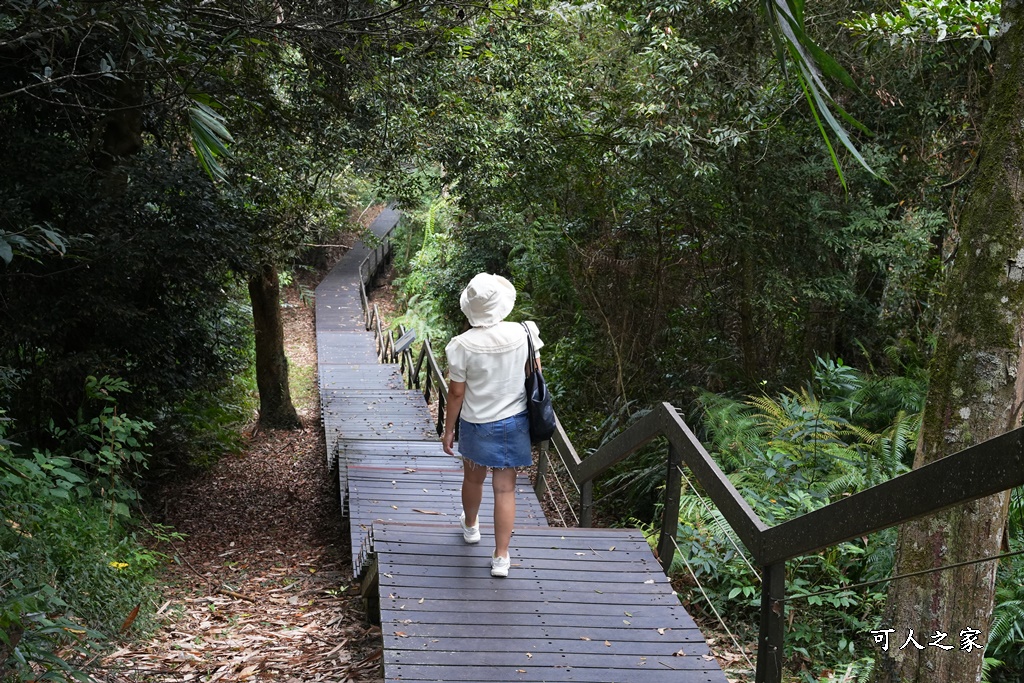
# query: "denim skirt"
x,y
502,443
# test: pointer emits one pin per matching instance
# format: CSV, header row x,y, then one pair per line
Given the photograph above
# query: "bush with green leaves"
x,y
1005,648
72,571
788,455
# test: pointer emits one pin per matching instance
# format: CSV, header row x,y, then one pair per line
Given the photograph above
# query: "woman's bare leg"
x,y
503,481
473,476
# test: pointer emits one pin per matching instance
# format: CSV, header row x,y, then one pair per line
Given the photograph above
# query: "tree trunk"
x,y
276,409
976,392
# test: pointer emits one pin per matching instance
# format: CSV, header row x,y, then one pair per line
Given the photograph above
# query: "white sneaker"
x,y
470,534
500,565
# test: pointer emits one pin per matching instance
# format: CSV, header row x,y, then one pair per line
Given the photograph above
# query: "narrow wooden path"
x,y
587,605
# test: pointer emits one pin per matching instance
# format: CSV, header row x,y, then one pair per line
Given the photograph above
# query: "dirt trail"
x,y
261,589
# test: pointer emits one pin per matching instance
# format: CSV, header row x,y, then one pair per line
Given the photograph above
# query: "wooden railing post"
x,y
770,652
541,487
670,513
587,503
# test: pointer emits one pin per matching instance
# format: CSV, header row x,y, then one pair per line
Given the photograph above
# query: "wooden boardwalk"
x,y
587,605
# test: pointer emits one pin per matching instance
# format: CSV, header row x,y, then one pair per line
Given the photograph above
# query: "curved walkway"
x,y
586,605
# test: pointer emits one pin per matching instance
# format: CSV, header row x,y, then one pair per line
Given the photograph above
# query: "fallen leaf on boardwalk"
x,y
520,671
661,631
585,638
421,601
649,581
597,591
401,634
607,644
628,614
529,655
390,576
626,622
409,470
707,657
427,512
581,554
611,549
680,653
394,507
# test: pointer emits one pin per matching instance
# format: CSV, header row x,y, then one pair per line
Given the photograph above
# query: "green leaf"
x,y
6,252
209,138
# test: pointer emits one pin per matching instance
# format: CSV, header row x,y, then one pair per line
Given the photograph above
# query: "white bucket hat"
x,y
487,299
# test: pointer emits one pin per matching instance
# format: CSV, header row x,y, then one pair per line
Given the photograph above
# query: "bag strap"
x,y
531,359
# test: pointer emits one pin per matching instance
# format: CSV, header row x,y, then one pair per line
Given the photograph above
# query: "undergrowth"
x,y
73,572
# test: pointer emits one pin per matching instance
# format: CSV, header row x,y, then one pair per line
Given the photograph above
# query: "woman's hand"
x,y
456,394
448,441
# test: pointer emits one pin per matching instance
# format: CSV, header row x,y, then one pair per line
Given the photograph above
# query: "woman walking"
x,y
487,370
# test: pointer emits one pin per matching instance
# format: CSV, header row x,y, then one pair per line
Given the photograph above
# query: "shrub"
x,y
72,572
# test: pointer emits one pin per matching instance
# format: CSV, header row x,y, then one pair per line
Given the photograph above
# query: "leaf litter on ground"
x,y
260,586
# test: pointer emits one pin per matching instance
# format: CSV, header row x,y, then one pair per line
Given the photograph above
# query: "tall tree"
x,y
276,407
976,392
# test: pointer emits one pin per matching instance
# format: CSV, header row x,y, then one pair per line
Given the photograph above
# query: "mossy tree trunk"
x,y
976,392
276,408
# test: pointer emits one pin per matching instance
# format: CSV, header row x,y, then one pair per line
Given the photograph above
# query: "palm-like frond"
x,y
1006,634
786,19
732,430
210,138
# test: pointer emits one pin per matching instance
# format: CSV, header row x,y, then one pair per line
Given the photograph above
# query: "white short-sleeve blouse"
x,y
492,362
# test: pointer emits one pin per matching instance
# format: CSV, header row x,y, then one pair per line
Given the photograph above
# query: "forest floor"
x,y
260,587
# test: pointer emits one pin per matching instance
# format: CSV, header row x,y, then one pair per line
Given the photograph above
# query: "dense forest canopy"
x,y
649,175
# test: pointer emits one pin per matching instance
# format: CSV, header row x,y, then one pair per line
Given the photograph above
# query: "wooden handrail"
x,y
951,481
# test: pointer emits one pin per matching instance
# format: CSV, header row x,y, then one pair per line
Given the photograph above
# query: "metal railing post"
x,y
770,648
587,503
670,513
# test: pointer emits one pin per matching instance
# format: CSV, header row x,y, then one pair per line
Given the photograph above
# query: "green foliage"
x,y
1006,634
791,454
72,569
432,270
936,20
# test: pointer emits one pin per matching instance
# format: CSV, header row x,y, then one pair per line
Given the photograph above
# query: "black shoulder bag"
x,y
538,400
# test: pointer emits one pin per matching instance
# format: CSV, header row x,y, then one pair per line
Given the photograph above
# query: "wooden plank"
x,y
459,565
444,588
411,607
680,671
415,621
510,651
407,575
505,591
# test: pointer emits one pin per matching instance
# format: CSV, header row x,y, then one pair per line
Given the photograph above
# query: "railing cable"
x,y
561,459
555,504
721,621
711,512
565,497
908,575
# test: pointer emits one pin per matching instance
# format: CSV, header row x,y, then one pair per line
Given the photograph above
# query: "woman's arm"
x,y
456,393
